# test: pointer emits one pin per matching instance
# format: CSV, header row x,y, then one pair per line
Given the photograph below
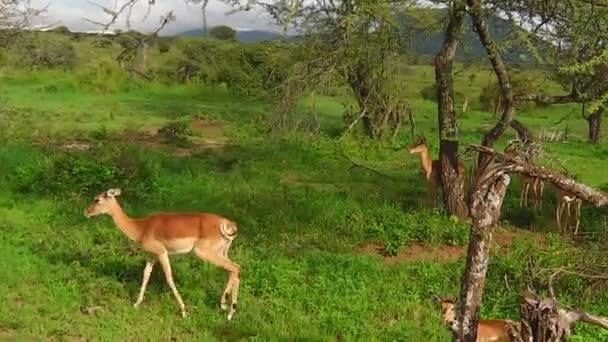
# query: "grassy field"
x,y
328,252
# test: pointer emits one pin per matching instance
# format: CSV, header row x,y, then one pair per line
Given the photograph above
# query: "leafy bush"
x,y
520,83
176,133
103,76
245,69
397,230
66,173
47,51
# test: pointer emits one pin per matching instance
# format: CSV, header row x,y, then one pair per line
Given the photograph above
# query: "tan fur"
x,y
432,170
488,330
565,200
160,235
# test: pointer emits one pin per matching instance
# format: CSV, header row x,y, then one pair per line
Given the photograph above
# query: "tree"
x,y
453,183
222,32
577,32
14,16
491,176
353,43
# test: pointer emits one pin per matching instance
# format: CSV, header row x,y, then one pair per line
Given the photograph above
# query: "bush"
x,y
103,76
397,230
520,83
429,93
176,133
246,69
83,173
47,51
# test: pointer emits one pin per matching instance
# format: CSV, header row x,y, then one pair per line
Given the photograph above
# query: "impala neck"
x,y
123,222
425,161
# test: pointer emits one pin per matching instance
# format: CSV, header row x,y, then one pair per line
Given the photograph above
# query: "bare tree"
x,y
15,15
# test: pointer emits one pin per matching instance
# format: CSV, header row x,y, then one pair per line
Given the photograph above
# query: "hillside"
x,y
241,35
425,42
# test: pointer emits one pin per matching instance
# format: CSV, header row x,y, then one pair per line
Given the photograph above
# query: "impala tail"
x,y
228,229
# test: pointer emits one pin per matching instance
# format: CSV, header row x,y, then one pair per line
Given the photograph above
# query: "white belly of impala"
x,y
180,246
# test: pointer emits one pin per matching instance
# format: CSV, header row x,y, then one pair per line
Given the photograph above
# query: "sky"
x,y
71,13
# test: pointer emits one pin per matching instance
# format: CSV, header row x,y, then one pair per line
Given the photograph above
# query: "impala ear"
x,y
114,192
435,298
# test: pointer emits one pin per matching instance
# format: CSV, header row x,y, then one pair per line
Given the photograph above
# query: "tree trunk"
x,y
487,192
523,133
486,206
452,181
595,126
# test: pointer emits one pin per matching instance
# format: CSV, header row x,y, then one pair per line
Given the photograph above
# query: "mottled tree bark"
x,y
594,120
487,192
486,206
452,181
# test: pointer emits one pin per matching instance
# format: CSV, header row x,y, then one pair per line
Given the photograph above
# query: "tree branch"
x,y
514,164
550,99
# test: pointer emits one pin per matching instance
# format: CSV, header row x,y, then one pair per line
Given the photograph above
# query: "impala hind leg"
x,y
220,260
144,283
577,213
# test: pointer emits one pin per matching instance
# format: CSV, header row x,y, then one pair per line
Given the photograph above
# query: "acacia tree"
x,y
15,15
578,35
355,41
491,176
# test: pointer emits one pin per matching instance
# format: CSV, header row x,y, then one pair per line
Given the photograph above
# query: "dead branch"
x,y
514,164
545,320
164,21
357,165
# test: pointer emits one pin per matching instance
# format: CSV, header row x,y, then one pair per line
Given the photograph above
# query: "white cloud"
x,y
72,13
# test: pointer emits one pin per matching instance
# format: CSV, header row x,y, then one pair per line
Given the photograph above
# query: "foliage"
x,y
46,51
68,173
103,76
176,133
222,32
355,43
247,69
310,221
521,83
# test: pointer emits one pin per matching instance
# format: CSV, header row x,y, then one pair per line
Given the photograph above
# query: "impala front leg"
x,y
164,261
147,271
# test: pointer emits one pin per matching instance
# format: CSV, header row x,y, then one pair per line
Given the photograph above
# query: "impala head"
x,y
102,203
419,146
448,308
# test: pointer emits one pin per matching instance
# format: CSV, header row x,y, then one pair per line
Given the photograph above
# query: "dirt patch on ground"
x,y
207,135
416,252
503,238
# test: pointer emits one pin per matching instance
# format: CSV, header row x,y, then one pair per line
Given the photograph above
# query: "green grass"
x,y
303,214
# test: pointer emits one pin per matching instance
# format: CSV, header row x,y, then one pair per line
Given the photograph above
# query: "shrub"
x,y
83,173
103,76
47,51
520,83
176,133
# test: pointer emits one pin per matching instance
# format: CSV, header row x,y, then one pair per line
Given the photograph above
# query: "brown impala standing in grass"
x,y
488,330
163,234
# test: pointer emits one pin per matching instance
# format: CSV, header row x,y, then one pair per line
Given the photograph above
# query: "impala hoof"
x,y
230,316
136,305
224,306
184,314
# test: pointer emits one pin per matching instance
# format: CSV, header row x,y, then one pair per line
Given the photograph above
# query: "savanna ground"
x,y
328,251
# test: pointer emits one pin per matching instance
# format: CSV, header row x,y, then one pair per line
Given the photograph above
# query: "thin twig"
x,y
354,165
